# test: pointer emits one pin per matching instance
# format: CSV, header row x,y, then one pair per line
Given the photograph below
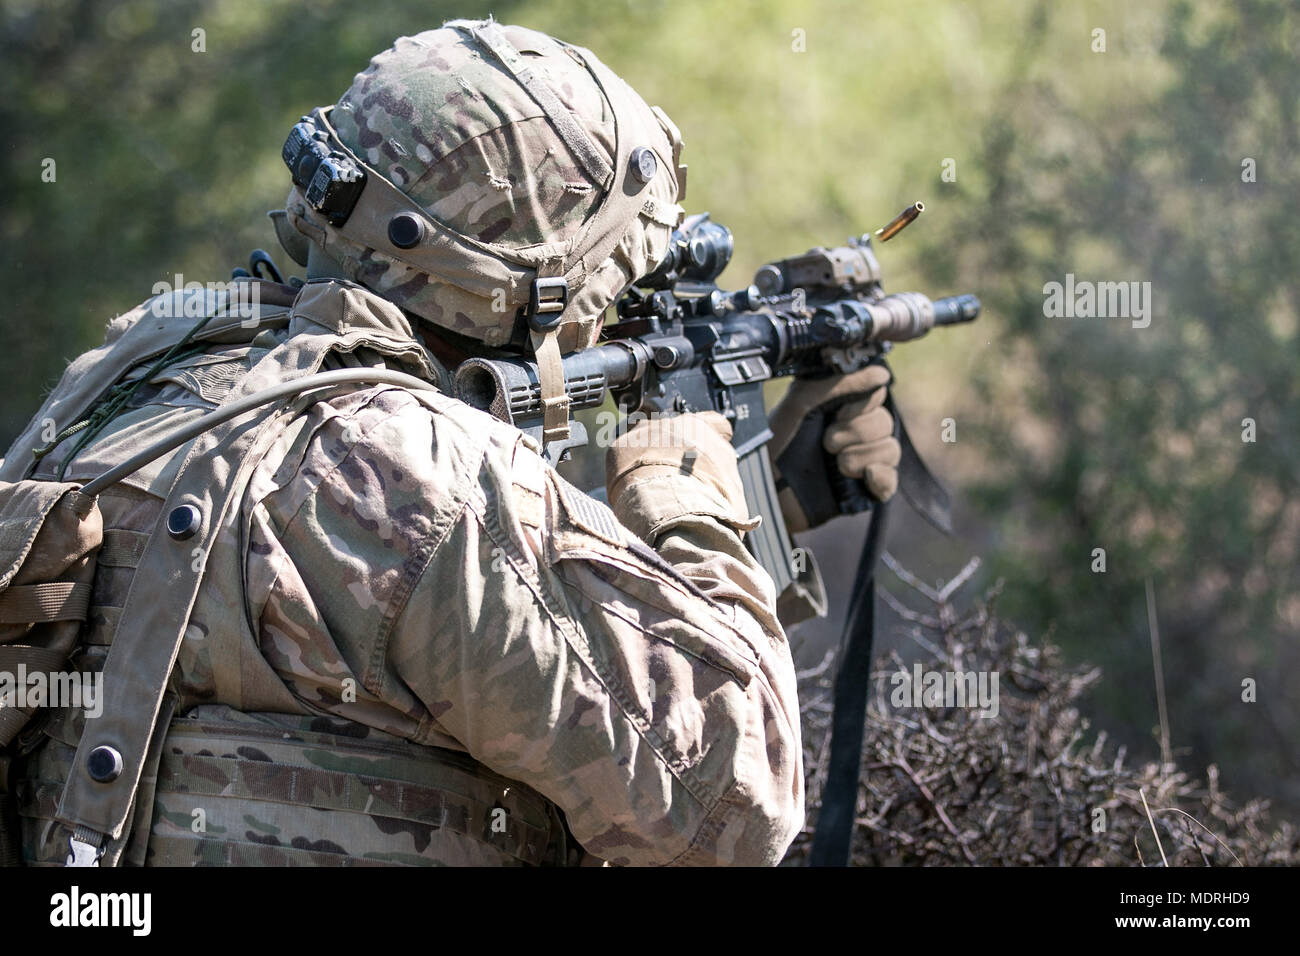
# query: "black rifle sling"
x,y
833,838
834,834
917,485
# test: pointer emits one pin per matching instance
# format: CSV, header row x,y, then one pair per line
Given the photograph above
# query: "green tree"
x,y
1136,440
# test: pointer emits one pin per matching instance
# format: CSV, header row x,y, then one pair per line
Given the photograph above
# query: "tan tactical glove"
x,y
654,456
860,437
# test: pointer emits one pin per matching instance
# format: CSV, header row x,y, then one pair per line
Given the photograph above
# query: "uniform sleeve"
x,y
648,692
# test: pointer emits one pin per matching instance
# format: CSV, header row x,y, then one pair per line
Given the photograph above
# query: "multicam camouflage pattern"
x,y
282,790
442,120
439,118
415,578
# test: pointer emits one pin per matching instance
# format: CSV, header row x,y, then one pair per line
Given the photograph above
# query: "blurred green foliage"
x,y
806,122
1095,434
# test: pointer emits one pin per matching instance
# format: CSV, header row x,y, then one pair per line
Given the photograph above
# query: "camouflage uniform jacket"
x,y
416,573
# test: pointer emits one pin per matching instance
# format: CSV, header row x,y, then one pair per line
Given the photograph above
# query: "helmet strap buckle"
x,y
547,299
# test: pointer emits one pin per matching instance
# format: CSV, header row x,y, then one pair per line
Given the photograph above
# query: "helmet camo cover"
x,y
521,158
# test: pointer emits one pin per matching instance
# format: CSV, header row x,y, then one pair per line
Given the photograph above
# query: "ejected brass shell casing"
x,y
885,233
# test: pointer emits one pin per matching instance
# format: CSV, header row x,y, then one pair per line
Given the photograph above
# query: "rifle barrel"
x,y
510,388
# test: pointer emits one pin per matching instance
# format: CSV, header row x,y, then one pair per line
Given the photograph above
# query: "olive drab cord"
x,y
115,399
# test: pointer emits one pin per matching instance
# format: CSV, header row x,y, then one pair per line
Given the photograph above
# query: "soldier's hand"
x,y
659,454
860,436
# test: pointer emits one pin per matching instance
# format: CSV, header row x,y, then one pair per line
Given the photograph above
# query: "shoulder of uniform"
x,y
249,301
433,427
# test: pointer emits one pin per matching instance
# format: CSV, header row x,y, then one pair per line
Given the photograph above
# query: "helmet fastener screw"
x,y
405,231
644,164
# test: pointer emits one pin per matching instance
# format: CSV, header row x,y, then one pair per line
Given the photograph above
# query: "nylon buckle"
x,y
81,853
547,299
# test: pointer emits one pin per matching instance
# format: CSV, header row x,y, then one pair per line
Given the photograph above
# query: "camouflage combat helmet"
x,y
492,181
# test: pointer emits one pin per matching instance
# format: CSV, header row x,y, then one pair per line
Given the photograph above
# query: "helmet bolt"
x,y
644,164
405,230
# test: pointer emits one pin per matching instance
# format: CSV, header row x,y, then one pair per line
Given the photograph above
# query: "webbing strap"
x,y
12,720
241,779
122,548
17,660
555,396
38,603
33,658
492,37
666,214
167,581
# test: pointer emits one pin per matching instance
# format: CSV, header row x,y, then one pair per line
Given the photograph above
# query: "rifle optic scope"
x,y
697,252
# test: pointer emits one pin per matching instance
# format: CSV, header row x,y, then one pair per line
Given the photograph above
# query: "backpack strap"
x,y
101,789
49,533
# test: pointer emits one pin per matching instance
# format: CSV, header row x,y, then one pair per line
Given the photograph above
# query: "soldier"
x,y
369,624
